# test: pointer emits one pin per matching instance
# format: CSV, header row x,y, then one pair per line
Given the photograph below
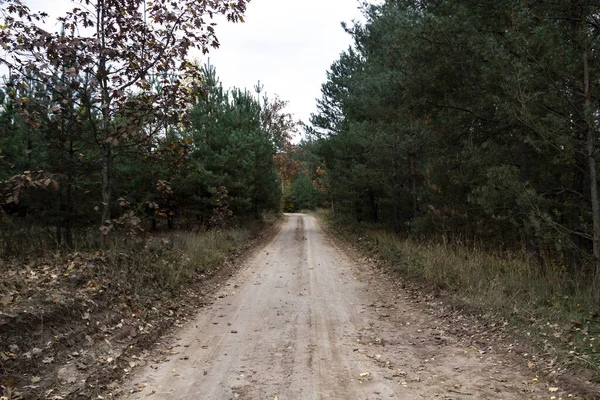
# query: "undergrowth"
x,y
126,290
144,267
168,262
554,311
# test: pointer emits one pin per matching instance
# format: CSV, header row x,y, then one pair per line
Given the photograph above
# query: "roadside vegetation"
x,y
60,309
458,141
551,314
130,178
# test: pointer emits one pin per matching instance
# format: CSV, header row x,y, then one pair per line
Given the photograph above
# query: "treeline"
x,y
221,166
118,130
473,120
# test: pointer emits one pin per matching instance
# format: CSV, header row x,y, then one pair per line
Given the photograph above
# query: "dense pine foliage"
x,y
219,166
107,125
472,120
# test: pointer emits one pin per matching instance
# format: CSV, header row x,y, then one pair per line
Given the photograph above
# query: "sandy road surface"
x,y
298,322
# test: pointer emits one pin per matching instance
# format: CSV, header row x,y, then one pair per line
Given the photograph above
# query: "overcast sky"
x,y
286,44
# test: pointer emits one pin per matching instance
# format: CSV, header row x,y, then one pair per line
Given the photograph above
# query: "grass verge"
x,y
169,262
72,322
553,314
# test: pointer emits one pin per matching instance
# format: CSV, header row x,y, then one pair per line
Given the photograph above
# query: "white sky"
x,y
286,44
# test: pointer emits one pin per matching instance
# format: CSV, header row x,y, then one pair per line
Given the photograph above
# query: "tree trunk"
x,y
413,188
106,183
68,203
413,175
257,209
59,217
529,238
105,107
374,208
397,185
591,154
332,206
580,244
396,226
330,195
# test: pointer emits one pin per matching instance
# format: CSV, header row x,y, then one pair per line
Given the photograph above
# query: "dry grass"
x,y
143,267
502,280
105,291
169,262
554,311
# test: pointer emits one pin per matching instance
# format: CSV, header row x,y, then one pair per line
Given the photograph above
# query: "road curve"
x,y
300,322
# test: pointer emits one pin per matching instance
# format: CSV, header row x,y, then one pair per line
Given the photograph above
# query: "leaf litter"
x,y
62,311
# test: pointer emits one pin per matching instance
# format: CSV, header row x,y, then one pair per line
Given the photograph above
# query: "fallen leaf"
x,y
6,300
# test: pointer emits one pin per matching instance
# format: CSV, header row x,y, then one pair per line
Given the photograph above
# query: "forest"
x,y
472,122
125,132
129,173
456,140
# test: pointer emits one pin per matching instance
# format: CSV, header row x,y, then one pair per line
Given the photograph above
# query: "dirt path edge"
x,y
86,359
485,331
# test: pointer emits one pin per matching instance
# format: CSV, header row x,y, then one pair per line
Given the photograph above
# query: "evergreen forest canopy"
x,y
107,125
469,120
475,121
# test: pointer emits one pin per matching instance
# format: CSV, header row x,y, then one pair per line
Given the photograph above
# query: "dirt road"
x,y
299,322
